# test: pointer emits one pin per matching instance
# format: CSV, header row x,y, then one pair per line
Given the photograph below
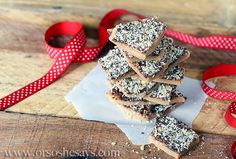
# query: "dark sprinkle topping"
x,y
176,93
177,52
150,68
162,91
140,34
175,134
116,92
115,64
136,86
149,109
175,73
142,109
164,43
160,109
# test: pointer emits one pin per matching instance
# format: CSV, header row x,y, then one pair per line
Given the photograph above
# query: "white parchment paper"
x,y
90,101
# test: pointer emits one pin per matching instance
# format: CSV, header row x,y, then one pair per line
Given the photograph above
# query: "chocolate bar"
x,y
161,91
165,94
157,54
151,69
179,54
131,86
114,64
145,112
117,97
154,92
138,38
175,73
173,136
173,76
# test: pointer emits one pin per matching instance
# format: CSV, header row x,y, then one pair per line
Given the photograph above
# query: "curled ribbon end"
x,y
233,150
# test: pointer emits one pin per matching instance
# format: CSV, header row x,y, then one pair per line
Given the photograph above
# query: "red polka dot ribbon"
x,y
219,71
210,42
233,152
75,51
229,114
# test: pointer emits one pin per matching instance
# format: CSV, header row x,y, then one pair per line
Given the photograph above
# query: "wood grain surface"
x,y
23,134
23,59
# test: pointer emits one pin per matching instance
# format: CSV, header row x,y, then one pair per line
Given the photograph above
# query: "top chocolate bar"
x,y
139,38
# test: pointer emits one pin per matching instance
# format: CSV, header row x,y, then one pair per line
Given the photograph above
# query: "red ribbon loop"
x,y
218,71
229,115
233,148
58,29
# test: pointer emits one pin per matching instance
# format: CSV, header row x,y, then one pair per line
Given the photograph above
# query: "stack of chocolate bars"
x,y
144,74
143,69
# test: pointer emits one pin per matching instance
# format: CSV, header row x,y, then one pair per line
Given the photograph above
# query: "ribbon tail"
x,y
51,76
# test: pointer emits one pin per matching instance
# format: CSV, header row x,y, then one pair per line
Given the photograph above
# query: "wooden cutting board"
x,y
23,59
